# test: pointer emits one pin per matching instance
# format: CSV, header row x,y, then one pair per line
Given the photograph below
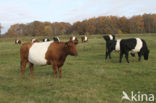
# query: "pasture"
x,y
87,78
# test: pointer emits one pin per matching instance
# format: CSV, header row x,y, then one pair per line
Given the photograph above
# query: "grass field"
x,y
87,78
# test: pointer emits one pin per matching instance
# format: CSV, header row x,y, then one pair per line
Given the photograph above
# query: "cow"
x,y
18,41
46,53
112,45
45,39
72,38
56,38
84,38
109,37
133,45
34,40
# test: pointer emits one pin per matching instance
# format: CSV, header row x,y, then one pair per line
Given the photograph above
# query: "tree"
x,y
101,25
150,23
16,29
123,24
136,24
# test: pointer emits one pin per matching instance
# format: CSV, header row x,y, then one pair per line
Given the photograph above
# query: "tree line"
x,y
145,23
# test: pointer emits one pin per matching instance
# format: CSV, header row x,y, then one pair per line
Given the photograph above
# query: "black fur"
x,y
56,39
110,46
127,45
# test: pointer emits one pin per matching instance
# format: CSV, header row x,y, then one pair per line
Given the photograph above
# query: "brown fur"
x,y
24,50
55,55
71,38
83,39
18,41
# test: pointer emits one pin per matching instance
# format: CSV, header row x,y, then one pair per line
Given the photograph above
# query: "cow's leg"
x,y
121,56
126,56
139,55
23,66
106,51
31,66
109,53
59,72
106,54
55,70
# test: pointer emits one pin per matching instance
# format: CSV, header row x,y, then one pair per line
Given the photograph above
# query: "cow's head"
x,y
70,48
146,54
106,38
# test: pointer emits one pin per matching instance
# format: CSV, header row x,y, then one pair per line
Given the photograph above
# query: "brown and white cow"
x,y
18,41
46,53
84,38
73,38
34,40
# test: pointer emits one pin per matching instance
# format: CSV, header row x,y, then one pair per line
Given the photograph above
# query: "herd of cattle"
x,y
56,39
53,52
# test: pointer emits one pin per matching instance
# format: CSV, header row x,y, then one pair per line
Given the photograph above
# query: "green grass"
x,y
87,78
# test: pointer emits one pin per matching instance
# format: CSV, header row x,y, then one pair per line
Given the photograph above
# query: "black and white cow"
x,y
46,39
112,45
133,45
56,38
109,37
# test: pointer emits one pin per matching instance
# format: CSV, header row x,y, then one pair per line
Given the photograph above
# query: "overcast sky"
x,y
25,11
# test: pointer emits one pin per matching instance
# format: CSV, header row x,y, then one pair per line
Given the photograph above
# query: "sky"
x,y
26,11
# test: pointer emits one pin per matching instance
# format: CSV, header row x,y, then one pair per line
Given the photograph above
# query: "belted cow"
x,y
46,53
84,38
18,41
133,45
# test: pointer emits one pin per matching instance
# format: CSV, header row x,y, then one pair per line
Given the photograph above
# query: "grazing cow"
x,y
46,53
84,38
133,45
46,39
18,41
34,40
56,38
109,37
